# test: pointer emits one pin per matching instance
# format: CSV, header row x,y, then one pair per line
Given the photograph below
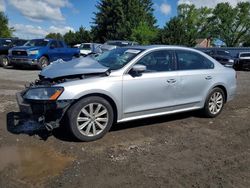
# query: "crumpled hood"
x,y
78,66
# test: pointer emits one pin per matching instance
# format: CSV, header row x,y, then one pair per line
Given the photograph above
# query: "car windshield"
x,y
85,46
118,43
245,55
37,42
117,58
19,42
5,42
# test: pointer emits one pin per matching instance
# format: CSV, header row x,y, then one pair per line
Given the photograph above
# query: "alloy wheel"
x,y
92,119
5,61
215,103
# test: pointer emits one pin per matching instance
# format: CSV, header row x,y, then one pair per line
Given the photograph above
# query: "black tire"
x,y
74,112
206,110
5,62
43,62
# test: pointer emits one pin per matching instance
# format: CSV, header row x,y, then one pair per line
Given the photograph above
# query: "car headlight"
x,y
230,61
49,93
33,52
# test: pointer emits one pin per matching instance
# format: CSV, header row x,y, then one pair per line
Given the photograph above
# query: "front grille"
x,y
19,53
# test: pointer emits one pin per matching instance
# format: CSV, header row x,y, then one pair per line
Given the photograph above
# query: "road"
x,y
183,150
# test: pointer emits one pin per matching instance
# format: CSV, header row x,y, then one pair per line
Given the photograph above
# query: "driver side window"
x,y
53,44
158,61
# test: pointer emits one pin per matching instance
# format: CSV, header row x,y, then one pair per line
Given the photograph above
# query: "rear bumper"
x,y
45,112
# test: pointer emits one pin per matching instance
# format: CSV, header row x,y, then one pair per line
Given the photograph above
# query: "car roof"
x,y
148,47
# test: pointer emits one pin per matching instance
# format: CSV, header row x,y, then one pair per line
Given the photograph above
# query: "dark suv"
x,y
5,45
222,56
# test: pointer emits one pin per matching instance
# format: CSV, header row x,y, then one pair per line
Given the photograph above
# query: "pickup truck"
x,y
243,62
41,52
5,45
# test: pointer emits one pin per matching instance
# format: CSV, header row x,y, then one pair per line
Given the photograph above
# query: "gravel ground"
x,y
183,150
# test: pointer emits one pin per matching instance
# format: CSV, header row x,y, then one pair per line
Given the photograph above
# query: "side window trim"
x,y
173,59
178,64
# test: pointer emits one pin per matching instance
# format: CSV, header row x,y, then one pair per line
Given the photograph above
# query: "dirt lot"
x,y
183,150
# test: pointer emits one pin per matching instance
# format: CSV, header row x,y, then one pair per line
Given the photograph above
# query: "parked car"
x,y
40,52
112,44
243,62
90,48
222,56
5,45
127,84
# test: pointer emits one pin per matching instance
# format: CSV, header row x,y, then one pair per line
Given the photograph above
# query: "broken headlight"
x,y
46,93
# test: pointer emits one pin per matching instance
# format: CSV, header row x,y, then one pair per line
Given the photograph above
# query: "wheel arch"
x,y
223,89
106,97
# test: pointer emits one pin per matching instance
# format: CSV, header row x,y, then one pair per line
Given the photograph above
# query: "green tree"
x,y
70,38
144,34
108,21
5,30
57,36
231,24
83,35
190,24
117,19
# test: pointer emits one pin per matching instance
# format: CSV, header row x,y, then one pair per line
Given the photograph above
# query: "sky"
x,y
37,18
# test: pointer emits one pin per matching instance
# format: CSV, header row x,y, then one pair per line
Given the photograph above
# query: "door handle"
x,y
171,81
208,77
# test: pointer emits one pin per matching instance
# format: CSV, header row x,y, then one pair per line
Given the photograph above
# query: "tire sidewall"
x,y
40,66
206,107
8,64
75,110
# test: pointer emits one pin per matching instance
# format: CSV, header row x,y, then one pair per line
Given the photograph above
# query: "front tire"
x,y
90,118
214,103
5,62
43,62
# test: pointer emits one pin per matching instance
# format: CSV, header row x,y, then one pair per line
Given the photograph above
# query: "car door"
x,y
196,76
154,90
54,51
62,52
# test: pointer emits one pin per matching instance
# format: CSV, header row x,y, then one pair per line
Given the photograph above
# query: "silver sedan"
x,y
127,84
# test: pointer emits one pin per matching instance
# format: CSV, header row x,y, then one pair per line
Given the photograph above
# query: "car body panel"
x,y
79,66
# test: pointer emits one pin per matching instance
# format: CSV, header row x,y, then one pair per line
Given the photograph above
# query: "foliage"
x,y
143,34
57,36
118,19
231,24
5,30
190,24
71,38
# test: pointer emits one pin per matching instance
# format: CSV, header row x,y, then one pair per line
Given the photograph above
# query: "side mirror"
x,y
137,70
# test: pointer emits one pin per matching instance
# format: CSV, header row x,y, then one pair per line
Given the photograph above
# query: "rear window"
x,y
225,53
188,60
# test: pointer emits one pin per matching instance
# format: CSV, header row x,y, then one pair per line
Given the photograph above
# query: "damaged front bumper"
x,y
48,113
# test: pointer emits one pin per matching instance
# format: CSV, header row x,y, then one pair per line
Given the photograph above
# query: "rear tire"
x,y
214,103
43,62
90,118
